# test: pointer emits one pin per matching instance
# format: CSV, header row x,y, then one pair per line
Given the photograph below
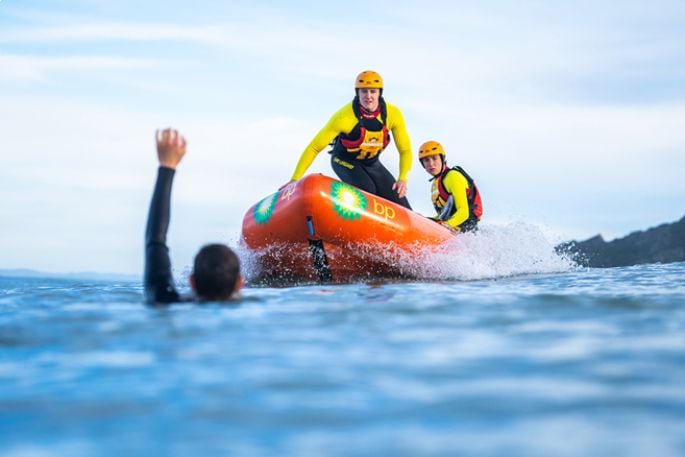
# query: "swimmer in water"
x,y
216,268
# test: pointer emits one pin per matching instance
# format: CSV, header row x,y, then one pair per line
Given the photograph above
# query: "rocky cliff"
x,y
664,244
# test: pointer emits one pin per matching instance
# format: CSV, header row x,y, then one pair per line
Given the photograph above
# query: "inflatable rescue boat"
x,y
319,229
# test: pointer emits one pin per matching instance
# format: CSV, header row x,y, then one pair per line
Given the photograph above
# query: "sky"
x,y
569,115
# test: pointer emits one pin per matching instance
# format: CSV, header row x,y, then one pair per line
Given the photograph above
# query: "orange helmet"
x,y
368,80
431,148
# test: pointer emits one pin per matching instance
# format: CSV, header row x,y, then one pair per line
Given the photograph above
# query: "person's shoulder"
x,y
343,119
345,111
394,114
394,109
455,177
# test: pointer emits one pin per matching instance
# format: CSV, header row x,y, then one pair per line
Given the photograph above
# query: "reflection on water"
x,y
582,362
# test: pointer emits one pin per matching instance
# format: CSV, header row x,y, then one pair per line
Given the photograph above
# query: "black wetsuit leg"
x,y
371,177
352,172
384,181
159,282
469,225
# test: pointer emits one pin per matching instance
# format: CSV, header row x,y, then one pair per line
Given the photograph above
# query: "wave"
x,y
494,251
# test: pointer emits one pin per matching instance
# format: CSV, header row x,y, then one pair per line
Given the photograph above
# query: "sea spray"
x,y
494,251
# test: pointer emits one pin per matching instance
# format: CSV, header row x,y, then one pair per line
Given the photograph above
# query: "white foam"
x,y
494,251
105,359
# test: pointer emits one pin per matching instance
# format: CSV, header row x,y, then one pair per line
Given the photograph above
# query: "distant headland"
x,y
662,244
88,275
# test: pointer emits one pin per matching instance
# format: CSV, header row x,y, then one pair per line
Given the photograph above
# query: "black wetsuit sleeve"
x,y
159,282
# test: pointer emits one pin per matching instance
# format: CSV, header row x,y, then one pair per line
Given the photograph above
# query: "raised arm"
x,y
158,280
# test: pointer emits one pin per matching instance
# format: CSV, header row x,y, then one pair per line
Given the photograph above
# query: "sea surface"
x,y
540,358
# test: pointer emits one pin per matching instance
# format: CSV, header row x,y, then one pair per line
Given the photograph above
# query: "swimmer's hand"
x,y
171,147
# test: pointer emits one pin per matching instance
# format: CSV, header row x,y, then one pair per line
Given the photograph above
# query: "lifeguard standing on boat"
x,y
359,132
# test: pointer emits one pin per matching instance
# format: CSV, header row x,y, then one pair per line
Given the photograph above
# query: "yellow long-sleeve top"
x,y
344,121
457,186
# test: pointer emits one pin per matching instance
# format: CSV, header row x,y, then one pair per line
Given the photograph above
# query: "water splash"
x,y
495,251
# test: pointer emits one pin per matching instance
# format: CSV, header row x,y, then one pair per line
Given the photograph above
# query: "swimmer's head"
x,y
216,273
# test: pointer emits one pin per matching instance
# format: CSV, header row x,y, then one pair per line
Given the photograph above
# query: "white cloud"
x,y
78,33
28,68
498,89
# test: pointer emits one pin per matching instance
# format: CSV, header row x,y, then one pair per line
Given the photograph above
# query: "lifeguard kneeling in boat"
x,y
455,196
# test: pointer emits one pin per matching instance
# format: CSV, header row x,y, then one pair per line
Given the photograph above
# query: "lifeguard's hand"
x,y
401,188
449,227
171,146
287,184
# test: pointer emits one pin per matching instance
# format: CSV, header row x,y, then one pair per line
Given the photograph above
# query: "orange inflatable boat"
x,y
319,229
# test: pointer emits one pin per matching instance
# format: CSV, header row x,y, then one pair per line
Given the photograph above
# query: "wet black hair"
x,y
217,270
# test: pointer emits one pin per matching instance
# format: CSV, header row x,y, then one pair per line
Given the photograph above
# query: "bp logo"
x,y
265,208
348,201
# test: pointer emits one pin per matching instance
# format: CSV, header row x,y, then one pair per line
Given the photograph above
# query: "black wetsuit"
x,y
368,175
159,282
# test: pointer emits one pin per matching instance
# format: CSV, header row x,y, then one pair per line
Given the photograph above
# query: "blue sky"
x,y
569,115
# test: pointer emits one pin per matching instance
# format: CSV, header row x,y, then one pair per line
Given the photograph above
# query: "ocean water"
x,y
503,350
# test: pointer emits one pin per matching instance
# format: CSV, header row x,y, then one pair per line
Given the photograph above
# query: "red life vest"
x,y
368,138
472,195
